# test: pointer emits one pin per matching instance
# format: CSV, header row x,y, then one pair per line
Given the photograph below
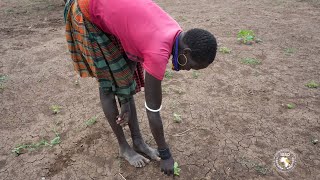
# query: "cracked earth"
x,y
234,117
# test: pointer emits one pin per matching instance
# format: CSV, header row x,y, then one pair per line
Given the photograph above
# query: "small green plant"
x,y
21,149
289,51
91,121
261,169
224,50
177,118
3,79
290,106
55,141
250,61
255,165
55,108
176,169
312,84
168,74
246,36
195,74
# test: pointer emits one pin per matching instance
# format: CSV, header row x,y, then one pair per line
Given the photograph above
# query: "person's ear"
x,y
186,51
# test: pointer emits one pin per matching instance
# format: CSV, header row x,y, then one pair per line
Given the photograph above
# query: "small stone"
x,y
315,141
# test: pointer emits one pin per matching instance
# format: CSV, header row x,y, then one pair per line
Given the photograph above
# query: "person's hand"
x,y
124,116
167,166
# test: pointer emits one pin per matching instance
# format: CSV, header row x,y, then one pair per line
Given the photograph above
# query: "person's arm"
x,y
153,96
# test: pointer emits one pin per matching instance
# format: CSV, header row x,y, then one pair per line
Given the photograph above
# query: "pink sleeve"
x,y
155,64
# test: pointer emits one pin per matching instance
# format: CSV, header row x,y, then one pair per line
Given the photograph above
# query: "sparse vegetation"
x,y
56,109
289,51
312,84
177,118
290,106
251,164
3,79
168,74
24,148
246,36
195,74
224,50
250,61
91,121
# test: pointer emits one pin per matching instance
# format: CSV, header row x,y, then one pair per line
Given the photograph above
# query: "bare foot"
x,y
132,157
141,147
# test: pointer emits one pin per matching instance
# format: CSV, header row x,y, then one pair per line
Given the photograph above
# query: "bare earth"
x,y
234,116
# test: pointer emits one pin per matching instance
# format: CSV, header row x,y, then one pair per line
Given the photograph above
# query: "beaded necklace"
x,y
175,65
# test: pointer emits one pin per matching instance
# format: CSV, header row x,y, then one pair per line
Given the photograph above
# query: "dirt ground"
x,y
234,116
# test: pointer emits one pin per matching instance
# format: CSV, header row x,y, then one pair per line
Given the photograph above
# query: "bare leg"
x,y
110,110
138,143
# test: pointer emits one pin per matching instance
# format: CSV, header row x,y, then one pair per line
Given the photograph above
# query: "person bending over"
x,y
115,41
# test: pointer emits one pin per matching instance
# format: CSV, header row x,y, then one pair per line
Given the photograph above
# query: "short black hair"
x,y
202,43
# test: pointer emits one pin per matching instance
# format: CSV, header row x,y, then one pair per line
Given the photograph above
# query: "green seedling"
x,y
246,36
289,51
255,165
250,61
55,108
55,141
168,74
91,121
176,169
312,84
225,50
21,149
177,118
195,74
290,106
261,169
3,79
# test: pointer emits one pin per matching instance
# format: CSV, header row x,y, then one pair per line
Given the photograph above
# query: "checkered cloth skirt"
x,y
100,55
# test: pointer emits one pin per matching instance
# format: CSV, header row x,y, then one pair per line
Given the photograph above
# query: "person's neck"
x,y
179,43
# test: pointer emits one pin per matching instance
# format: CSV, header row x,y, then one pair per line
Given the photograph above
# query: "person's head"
x,y
197,49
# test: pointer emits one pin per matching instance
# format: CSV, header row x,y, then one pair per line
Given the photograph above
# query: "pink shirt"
x,y
146,32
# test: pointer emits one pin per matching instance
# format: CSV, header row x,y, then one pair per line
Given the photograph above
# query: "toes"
x,y
157,158
136,164
142,163
146,160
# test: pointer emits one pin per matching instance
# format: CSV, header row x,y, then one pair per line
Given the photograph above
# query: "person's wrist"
x,y
164,154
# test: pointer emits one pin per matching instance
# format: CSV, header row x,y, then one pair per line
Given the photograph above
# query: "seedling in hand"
x,y
176,169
